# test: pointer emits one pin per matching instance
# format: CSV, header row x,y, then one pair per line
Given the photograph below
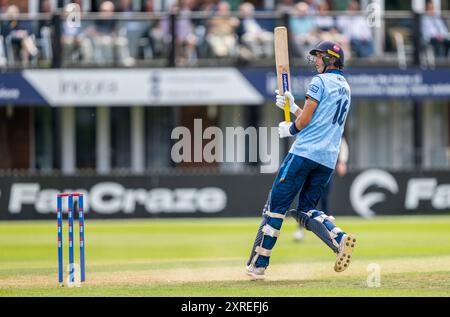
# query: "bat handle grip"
x,y
287,113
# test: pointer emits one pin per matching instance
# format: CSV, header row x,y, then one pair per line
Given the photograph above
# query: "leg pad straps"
x,y
270,231
262,251
274,215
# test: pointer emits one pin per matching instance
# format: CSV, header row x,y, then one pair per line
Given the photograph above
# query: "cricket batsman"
x,y
310,163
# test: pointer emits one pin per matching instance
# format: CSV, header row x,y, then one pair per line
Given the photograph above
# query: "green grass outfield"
x,y
206,257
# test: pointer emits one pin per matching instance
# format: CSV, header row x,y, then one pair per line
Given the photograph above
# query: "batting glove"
x,y
287,129
281,101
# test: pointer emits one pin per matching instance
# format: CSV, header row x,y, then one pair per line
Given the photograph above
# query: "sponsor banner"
x,y
163,86
379,192
203,86
123,197
15,90
364,82
367,194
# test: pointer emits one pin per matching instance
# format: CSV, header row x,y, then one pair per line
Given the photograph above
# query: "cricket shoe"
x,y
256,273
344,254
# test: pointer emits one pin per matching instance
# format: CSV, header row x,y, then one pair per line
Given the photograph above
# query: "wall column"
x,y
103,142
137,139
68,140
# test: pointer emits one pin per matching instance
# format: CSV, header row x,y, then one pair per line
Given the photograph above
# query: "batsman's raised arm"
x,y
314,95
288,129
306,115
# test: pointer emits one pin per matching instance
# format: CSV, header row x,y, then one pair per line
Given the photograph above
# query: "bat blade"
x,y
282,65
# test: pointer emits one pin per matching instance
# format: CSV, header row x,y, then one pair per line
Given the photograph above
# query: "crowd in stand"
x,y
221,33
18,34
435,31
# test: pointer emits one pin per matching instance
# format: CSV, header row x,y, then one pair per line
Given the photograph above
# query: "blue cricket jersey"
x,y
321,139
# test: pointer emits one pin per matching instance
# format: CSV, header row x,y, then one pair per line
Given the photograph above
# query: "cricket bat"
x,y
282,65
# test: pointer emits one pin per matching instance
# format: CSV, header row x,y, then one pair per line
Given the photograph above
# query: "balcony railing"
x,y
205,39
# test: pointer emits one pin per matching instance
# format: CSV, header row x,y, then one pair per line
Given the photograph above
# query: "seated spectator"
x,y
355,27
435,32
285,6
45,7
106,39
19,35
303,31
221,32
3,6
148,6
125,6
324,22
253,36
75,44
327,30
152,39
44,31
186,40
313,6
208,9
131,29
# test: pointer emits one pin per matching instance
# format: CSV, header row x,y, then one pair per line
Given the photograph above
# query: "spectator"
x,y
324,22
313,6
3,6
153,39
130,29
148,6
327,30
46,7
106,39
208,8
124,6
79,3
253,36
435,32
43,35
19,36
285,6
186,40
76,45
221,33
303,29
356,28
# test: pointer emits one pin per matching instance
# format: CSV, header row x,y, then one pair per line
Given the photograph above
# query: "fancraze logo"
x,y
110,198
361,201
425,189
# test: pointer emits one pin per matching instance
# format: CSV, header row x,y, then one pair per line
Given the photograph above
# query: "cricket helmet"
x,y
331,49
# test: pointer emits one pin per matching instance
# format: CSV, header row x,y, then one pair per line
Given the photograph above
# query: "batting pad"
x,y
320,224
266,237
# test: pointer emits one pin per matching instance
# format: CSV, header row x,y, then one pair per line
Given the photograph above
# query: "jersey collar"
x,y
335,71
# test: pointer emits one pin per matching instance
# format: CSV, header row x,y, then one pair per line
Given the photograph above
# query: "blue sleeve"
x,y
315,89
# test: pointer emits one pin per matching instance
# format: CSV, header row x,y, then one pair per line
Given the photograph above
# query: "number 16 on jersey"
x,y
282,65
